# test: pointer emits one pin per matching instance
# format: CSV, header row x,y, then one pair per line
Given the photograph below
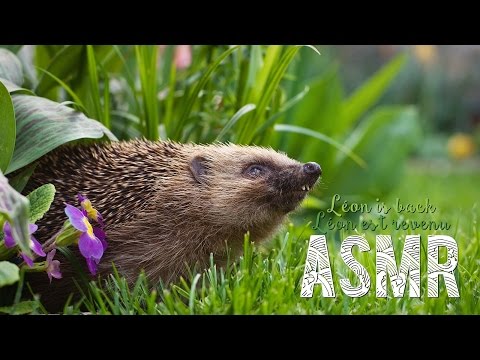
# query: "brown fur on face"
x,y
167,205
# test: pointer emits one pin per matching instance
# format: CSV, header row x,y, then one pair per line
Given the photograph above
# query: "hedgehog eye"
x,y
256,170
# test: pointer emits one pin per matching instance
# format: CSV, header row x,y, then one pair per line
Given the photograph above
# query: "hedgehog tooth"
x,y
308,188
303,187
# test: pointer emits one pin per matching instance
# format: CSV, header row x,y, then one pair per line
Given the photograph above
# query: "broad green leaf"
x,y
40,201
22,308
15,89
43,125
369,93
15,208
318,111
9,273
319,136
7,121
10,67
383,140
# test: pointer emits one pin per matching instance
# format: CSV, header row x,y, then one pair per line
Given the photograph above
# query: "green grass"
x,y
267,279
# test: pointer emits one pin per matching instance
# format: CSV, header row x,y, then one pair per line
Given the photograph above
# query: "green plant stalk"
x,y
67,88
93,79
247,132
147,68
6,253
193,95
129,78
170,97
106,99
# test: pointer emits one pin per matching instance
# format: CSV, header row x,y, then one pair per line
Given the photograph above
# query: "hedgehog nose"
x,y
312,168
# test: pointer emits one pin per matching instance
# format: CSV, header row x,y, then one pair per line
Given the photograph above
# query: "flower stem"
x,y
6,253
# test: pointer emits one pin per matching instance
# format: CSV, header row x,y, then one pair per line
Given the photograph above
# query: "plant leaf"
x,y
192,98
242,111
343,149
67,88
40,201
15,89
15,209
9,273
7,121
43,125
365,96
20,180
24,307
93,80
384,139
61,66
12,48
10,67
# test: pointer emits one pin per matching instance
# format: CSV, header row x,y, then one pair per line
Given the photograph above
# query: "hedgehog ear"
x,y
198,167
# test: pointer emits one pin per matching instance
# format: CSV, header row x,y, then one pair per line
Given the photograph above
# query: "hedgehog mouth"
x,y
290,198
305,186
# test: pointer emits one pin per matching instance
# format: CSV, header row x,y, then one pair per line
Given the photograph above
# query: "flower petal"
x,y
92,266
76,217
32,228
89,210
27,260
100,234
53,266
53,270
7,230
51,255
36,247
99,219
90,247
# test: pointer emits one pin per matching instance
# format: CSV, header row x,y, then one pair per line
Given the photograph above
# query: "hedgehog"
x,y
167,206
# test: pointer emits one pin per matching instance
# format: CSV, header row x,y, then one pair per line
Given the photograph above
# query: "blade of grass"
x,y
128,77
321,137
67,88
272,84
285,107
106,99
93,79
147,68
192,98
170,97
241,112
370,91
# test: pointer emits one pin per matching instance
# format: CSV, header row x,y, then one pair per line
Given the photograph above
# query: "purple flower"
x,y
90,246
92,263
89,210
53,266
34,244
